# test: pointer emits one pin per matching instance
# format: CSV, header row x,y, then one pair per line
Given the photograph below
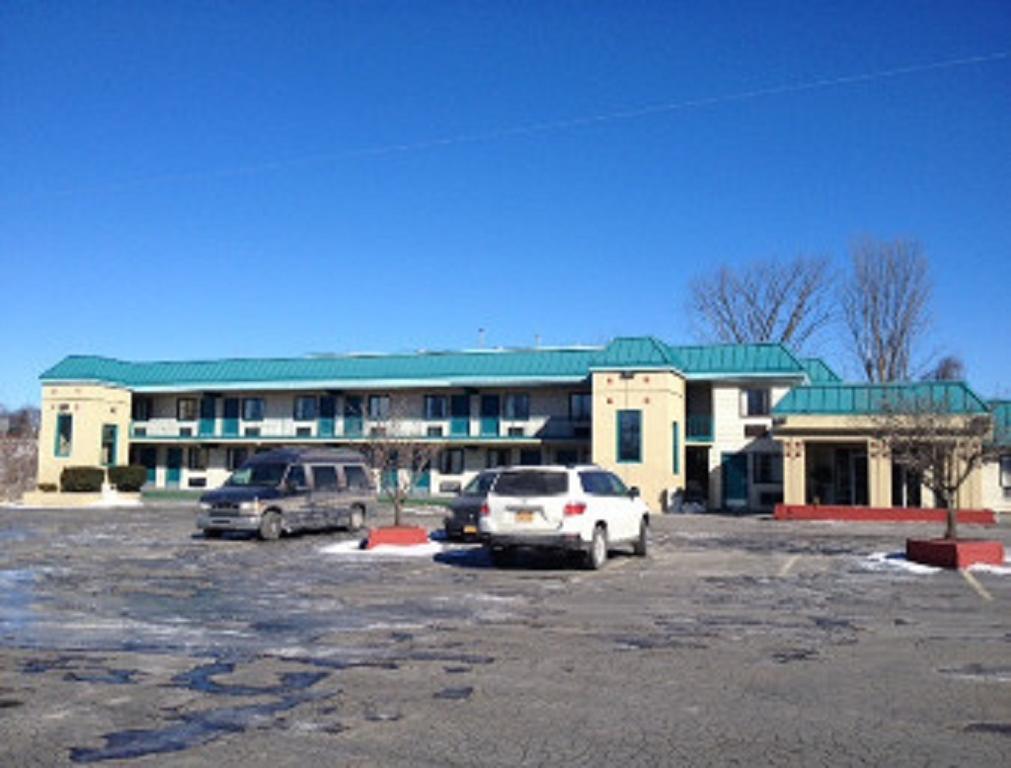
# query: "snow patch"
x,y
896,562
354,548
996,570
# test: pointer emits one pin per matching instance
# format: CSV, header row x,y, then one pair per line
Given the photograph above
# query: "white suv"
x,y
581,509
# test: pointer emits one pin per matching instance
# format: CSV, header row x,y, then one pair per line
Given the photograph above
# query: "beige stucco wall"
x,y
660,395
91,407
993,493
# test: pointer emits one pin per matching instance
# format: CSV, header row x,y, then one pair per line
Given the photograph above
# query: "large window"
x,y
109,444
580,406
252,409
379,407
767,468
451,461
630,436
517,406
186,409
435,407
755,402
306,408
1005,471
64,434
140,408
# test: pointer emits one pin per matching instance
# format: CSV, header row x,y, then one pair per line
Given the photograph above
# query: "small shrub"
x,y
82,479
47,487
128,478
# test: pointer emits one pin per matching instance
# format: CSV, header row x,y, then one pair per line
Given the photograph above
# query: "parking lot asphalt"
x,y
128,639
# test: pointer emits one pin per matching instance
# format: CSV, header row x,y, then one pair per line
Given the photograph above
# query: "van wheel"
x,y
270,526
597,555
642,543
357,519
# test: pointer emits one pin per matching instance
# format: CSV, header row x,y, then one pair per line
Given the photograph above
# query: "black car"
x,y
461,525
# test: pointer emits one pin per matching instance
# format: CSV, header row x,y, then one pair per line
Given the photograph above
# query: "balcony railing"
x,y
699,427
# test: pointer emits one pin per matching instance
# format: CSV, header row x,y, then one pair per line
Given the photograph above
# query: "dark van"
x,y
289,490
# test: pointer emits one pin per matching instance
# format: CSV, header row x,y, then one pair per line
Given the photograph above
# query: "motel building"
x,y
743,426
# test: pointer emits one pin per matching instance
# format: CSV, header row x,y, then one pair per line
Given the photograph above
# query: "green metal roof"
x,y
867,399
1001,410
515,366
818,371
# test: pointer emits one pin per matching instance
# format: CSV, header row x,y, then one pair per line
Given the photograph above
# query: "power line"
x,y
577,122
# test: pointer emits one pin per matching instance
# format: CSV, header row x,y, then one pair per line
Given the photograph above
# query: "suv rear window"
x,y
532,484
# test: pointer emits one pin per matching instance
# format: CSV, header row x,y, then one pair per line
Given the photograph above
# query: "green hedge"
x,y
129,478
82,479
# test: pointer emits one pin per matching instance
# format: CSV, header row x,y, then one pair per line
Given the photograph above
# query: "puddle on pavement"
x,y
980,672
455,694
1000,729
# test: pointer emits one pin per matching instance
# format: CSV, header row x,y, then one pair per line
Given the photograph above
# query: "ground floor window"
x,y
236,457
108,444
530,457
451,461
1005,474
498,457
64,434
630,436
767,468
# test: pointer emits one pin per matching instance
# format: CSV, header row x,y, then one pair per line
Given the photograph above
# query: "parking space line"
x,y
974,583
788,565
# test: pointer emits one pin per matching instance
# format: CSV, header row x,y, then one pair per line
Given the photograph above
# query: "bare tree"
x,y
936,444
948,368
885,303
765,301
399,450
19,432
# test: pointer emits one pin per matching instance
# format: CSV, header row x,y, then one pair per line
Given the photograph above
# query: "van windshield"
x,y
532,484
257,474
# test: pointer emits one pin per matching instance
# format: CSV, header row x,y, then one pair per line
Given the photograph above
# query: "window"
x,y
767,468
252,409
236,457
580,406
498,457
451,461
251,432
140,409
435,406
186,409
306,408
64,434
530,457
196,458
755,402
630,436
517,406
185,431
676,441
357,478
108,452
1005,471
379,407
324,478
296,477
566,456
434,432
532,483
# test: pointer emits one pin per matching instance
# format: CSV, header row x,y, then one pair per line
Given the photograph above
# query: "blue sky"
x,y
194,179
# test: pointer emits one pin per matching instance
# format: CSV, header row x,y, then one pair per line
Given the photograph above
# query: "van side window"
x,y
296,476
324,478
356,477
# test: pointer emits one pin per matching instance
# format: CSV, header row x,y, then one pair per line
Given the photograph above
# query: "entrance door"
x,y
490,411
735,479
327,412
459,415
174,467
353,416
149,458
207,416
231,420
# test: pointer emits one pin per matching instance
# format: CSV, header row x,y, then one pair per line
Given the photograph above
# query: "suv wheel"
x,y
270,525
642,543
597,555
357,519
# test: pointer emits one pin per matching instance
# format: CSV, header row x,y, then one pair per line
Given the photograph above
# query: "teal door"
x,y
231,420
735,479
174,467
149,458
207,416
489,415
459,415
327,412
353,416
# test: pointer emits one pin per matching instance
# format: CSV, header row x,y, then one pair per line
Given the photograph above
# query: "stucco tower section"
x,y
82,425
659,398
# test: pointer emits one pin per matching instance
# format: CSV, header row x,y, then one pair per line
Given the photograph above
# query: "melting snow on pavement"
x,y
896,562
354,548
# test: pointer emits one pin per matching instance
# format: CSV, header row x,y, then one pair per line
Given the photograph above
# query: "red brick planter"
x,y
954,553
881,515
396,536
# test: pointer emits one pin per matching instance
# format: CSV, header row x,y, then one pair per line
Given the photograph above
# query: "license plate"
x,y
470,529
525,516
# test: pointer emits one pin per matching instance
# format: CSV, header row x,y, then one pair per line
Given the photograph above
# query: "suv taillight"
x,y
573,508
485,511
